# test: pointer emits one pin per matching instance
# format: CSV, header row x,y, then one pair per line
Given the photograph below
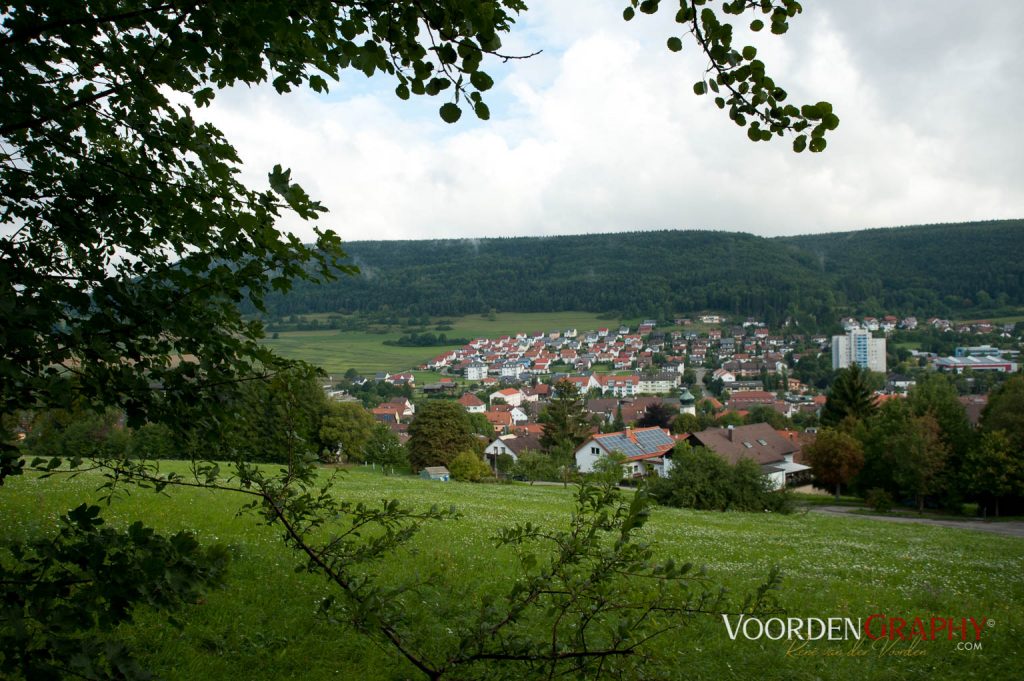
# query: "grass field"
x,y
263,624
337,351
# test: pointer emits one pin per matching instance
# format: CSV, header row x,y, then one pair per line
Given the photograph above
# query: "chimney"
x,y
729,433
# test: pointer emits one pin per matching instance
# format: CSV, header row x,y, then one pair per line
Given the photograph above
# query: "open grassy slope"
x,y
263,625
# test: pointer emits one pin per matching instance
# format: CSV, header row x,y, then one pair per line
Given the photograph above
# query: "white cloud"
x,y
602,133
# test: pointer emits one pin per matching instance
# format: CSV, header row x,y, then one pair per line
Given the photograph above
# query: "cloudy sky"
x,y
602,131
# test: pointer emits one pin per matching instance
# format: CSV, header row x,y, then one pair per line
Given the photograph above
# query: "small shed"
x,y
435,473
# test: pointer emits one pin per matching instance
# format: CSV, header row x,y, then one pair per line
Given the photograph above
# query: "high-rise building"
x,y
858,347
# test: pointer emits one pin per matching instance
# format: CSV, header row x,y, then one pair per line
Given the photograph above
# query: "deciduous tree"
x,y
836,458
994,469
438,433
346,428
129,240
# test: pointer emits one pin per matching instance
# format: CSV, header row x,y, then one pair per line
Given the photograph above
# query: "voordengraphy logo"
x,y
884,631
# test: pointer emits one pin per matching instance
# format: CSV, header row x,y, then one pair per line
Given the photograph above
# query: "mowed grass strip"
x,y
338,351
265,621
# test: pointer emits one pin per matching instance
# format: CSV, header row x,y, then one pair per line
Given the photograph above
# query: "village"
x,y
735,381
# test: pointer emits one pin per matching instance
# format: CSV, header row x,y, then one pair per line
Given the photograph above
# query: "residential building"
x,y
658,383
511,396
646,450
759,442
513,445
472,404
858,347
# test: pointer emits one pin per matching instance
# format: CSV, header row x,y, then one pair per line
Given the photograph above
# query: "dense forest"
x,y
957,269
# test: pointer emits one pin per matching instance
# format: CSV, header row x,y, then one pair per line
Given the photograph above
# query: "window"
x,y
762,442
595,451
748,445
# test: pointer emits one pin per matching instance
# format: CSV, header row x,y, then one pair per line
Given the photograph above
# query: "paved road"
x,y
1011,528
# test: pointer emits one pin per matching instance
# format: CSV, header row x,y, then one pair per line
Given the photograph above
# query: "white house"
x,y
644,448
726,376
519,416
472,404
511,396
476,371
620,386
513,445
658,383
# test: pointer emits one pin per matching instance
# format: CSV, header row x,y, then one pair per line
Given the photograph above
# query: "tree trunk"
x,y
920,504
837,491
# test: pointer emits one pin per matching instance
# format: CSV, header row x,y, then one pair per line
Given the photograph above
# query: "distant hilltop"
x,y
966,269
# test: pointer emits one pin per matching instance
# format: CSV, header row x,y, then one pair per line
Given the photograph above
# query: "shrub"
x,y
468,467
702,480
879,500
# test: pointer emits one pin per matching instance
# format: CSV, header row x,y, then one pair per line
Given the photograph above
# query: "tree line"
x,y
811,280
922,449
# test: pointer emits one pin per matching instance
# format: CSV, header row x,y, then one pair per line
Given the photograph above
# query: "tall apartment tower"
x,y
858,347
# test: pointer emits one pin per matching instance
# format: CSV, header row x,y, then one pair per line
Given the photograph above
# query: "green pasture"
x,y
263,624
337,351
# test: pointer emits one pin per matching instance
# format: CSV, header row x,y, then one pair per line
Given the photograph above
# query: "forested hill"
x,y
933,269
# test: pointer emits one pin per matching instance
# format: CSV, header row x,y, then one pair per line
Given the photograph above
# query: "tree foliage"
x,y
812,279
659,414
469,467
346,428
60,594
439,432
836,457
1005,412
565,419
738,78
701,479
903,453
850,397
128,244
384,449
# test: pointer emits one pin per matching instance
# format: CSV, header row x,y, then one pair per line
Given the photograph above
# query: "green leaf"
x,y
402,91
450,112
699,88
675,44
749,52
756,25
481,81
317,83
482,112
818,144
203,97
628,13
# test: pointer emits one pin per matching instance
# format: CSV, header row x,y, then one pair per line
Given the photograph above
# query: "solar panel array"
x,y
647,441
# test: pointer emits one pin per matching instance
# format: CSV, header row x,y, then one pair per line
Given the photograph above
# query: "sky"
x,y
601,132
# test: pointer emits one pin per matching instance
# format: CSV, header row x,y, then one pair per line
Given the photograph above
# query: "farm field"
x,y
337,351
263,623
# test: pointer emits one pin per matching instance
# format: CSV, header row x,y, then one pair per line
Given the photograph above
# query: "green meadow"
x,y
338,351
263,624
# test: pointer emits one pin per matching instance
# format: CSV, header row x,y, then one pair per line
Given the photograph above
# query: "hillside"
x,y
968,268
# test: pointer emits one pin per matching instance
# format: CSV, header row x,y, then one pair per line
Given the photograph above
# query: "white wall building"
x,y
476,371
858,347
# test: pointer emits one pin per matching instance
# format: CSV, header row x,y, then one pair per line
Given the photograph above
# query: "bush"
x,y
702,480
879,500
468,467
